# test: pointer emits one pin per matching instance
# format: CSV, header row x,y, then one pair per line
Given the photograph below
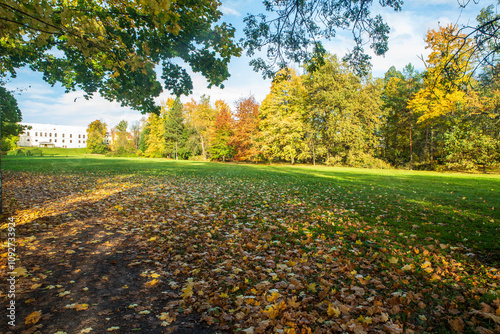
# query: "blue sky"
x,y
41,103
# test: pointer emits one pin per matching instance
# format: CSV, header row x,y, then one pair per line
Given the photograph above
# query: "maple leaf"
x,y
187,291
333,311
33,318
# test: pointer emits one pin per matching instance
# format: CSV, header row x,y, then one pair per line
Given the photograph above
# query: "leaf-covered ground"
x,y
268,251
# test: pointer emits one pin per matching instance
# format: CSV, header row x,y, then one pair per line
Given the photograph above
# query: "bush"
x,y
365,160
36,152
20,152
335,161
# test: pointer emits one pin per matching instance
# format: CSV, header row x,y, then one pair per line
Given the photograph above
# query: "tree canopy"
x,y
292,28
113,47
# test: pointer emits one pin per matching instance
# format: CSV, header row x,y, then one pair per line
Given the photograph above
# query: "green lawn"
x,y
452,207
53,151
425,245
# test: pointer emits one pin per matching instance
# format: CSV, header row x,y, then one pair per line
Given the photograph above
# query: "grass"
x,y
54,151
452,207
249,245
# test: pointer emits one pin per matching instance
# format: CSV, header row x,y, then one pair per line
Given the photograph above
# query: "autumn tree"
x,y
282,115
221,132
113,47
156,143
246,129
446,83
96,135
200,116
344,110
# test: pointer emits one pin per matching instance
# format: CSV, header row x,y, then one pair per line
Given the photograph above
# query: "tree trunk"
x,y
203,148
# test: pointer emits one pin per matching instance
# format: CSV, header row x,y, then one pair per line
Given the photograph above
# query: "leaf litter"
x,y
229,254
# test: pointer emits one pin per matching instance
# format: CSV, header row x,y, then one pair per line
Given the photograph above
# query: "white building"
x,y
48,135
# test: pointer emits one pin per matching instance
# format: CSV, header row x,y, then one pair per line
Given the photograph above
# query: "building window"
x,y
36,134
63,140
50,140
71,135
28,139
45,134
79,136
63,135
79,142
83,136
50,134
70,141
55,140
55,134
36,140
28,134
84,141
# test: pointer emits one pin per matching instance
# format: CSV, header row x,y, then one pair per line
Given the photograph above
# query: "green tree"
x,y
113,47
344,111
399,131
221,132
10,116
174,127
121,142
96,134
282,116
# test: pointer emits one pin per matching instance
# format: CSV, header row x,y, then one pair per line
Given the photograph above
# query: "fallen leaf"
x,y
33,318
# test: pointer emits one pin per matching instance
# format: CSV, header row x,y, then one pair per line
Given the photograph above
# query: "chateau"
x,y
48,135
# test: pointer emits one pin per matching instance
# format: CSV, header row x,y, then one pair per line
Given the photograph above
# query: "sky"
x,y
41,103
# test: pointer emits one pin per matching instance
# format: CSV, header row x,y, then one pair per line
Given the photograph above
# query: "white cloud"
x,y
229,11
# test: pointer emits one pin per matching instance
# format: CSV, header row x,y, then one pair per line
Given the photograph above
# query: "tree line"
x,y
442,116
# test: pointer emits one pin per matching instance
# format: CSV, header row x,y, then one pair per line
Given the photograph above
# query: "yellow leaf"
x,y
33,318
275,295
152,283
19,271
112,329
187,291
312,287
155,275
428,270
86,330
426,264
333,311
70,251
81,307
35,286
393,260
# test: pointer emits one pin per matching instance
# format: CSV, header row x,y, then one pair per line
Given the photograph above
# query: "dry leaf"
x,y
33,318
